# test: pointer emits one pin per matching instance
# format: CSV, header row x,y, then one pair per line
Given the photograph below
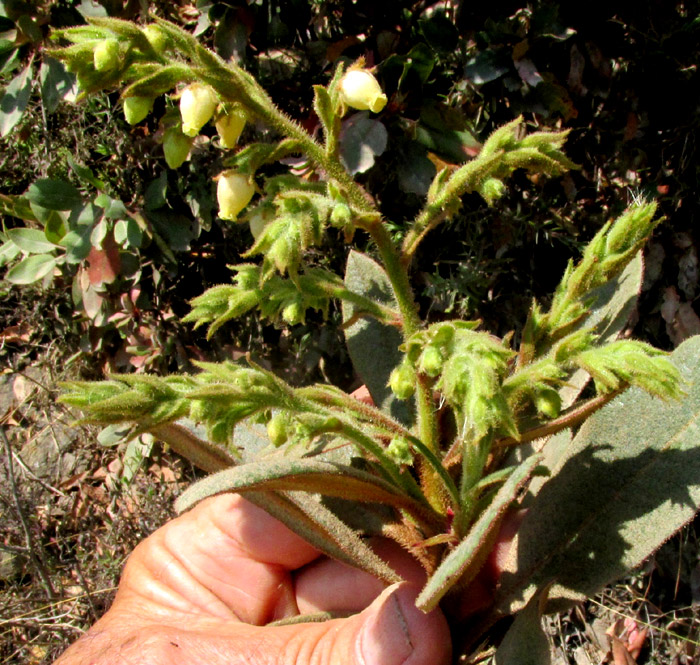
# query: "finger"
x,y
225,558
326,585
392,631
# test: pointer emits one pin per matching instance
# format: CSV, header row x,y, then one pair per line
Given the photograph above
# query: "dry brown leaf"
x,y
15,334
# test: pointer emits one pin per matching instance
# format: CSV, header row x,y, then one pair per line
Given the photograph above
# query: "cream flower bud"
x,y
229,126
233,192
360,90
197,105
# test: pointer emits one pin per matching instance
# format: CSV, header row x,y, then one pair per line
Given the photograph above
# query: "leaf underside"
x,y
373,346
628,481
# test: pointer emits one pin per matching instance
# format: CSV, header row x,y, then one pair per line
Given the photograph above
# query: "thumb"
x,y
391,631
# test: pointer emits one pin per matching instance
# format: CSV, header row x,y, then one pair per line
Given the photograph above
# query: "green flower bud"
x,y
233,193
158,40
361,91
197,105
293,313
400,450
277,430
341,215
106,55
176,147
492,189
137,108
548,402
431,361
402,381
229,127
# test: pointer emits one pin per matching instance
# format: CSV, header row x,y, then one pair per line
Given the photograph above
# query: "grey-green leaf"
x,y
309,475
374,347
628,481
361,140
525,643
310,519
56,83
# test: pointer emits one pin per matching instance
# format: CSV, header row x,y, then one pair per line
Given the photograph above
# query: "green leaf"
x,y
463,563
31,269
85,174
323,105
54,194
31,241
610,310
440,32
374,347
77,240
128,233
8,252
17,206
164,80
525,643
14,100
308,475
54,227
55,83
627,482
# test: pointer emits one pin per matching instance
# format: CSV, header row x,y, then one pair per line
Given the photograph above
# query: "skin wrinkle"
x,y
142,628
173,576
402,622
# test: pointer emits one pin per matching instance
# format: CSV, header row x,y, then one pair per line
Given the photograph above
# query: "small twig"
x,y
86,587
49,606
33,555
34,477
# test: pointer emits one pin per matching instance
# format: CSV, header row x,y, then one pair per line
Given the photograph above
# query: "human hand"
x,y
202,588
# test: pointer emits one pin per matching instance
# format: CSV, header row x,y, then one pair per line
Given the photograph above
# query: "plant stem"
x,y
464,179
229,81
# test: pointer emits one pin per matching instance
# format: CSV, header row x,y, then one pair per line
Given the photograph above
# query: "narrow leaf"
x,y
164,80
373,347
308,475
307,517
464,562
627,482
324,110
203,454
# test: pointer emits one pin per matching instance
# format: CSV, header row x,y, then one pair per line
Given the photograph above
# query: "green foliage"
x,y
450,482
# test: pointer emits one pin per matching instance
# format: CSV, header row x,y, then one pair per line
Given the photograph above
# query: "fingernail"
x,y
385,637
